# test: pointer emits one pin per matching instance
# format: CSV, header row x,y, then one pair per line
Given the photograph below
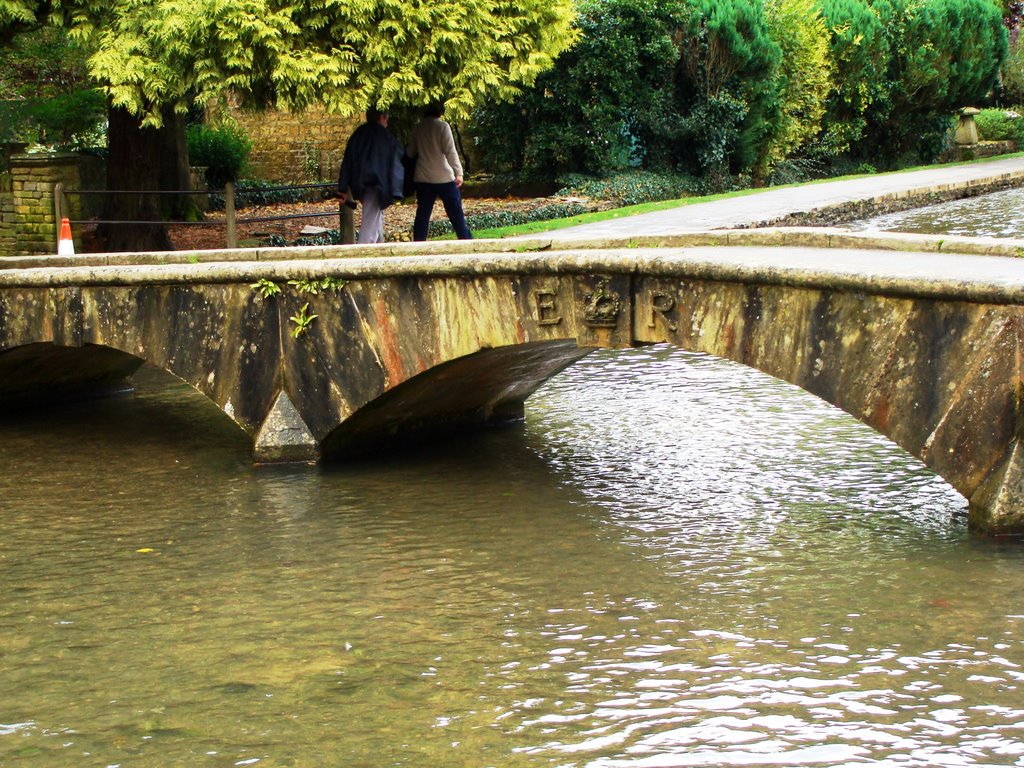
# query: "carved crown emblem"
x,y
601,306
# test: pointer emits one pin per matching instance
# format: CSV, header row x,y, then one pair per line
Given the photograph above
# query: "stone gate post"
x,y
7,229
32,180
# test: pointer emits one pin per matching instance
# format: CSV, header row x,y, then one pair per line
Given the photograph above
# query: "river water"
x,y
998,214
675,562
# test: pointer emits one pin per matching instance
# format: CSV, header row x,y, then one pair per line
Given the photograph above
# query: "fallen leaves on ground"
x,y
397,219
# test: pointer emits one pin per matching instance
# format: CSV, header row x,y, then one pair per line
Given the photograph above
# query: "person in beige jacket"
x,y
438,174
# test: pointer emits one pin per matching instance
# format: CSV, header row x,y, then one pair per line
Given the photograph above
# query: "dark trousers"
x,y
426,194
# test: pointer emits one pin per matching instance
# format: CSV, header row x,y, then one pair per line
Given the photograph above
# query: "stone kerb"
x,y
771,237
920,273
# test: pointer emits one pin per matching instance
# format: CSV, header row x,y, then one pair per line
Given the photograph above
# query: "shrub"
x,y
796,171
806,73
250,192
859,54
223,149
945,54
627,188
1000,125
604,106
510,218
1012,75
731,86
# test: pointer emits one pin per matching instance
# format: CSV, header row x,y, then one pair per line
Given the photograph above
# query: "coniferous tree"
x,y
155,59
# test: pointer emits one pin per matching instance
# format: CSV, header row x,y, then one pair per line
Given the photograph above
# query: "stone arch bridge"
x,y
331,351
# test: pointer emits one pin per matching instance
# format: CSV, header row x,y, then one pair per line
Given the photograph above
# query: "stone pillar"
x,y
966,128
33,178
7,229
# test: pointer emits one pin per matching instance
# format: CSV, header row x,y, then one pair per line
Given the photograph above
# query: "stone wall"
x,y
855,210
28,223
295,147
962,153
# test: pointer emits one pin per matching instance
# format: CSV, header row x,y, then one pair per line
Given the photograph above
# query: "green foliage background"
x,y
728,90
725,91
605,106
45,93
148,56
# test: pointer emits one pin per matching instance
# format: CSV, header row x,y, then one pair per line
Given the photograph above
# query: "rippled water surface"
x,y
998,214
676,562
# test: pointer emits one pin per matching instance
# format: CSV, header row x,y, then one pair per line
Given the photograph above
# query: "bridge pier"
x,y
997,507
284,436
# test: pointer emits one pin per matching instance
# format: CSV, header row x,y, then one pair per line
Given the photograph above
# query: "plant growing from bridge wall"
x,y
310,286
315,286
302,321
266,288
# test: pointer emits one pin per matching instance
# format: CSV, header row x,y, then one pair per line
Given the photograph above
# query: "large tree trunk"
x,y
174,167
142,160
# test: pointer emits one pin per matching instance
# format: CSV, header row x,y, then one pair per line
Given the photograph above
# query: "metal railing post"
x,y
58,213
229,214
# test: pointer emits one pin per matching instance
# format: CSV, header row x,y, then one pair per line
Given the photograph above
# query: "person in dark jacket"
x,y
371,172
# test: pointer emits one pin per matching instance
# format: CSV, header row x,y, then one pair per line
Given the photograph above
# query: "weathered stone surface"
x,y
997,507
488,387
284,436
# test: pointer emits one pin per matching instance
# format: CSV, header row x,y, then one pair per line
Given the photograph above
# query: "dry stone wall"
x,y
27,220
295,147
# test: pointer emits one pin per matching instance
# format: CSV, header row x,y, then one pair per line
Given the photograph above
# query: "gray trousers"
x,y
371,230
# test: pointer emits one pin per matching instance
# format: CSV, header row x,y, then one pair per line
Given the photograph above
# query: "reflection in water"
x,y
997,214
676,562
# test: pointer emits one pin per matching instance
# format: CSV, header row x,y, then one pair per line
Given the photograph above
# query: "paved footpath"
x,y
761,208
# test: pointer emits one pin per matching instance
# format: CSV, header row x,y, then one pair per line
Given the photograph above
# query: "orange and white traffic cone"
x,y
65,246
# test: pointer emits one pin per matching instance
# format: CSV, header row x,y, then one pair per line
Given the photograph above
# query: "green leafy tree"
x,y
732,90
1012,74
156,59
659,84
606,105
45,93
859,54
945,54
806,77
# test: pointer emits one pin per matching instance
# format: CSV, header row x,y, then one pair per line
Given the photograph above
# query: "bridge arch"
x,y
42,370
934,368
940,378
488,387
